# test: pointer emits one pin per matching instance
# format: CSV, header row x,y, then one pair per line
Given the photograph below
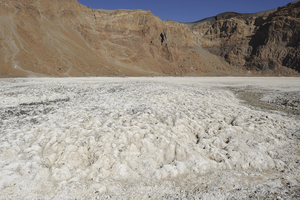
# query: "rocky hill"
x,y
263,43
65,38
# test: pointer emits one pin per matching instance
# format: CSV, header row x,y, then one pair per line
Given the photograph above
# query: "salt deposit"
x,y
144,138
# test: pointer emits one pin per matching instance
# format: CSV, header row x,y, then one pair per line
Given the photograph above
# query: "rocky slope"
x,y
264,43
65,38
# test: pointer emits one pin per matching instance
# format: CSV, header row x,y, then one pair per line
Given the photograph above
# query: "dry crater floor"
x,y
150,138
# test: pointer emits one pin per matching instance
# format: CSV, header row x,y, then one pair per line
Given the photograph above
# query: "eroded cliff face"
x,y
277,41
264,43
225,37
65,38
41,38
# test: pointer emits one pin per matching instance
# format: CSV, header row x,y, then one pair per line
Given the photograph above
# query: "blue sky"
x,y
187,10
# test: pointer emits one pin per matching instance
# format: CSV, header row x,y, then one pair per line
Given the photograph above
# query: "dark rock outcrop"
x,y
276,43
263,43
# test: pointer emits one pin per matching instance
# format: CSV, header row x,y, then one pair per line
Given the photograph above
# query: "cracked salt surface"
x,y
141,138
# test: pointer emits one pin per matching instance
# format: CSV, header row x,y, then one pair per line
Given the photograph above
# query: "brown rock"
x,y
65,38
265,42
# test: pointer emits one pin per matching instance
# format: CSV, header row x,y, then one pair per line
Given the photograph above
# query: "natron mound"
x,y
88,138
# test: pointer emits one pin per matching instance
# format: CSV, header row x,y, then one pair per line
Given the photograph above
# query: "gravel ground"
x,y
288,102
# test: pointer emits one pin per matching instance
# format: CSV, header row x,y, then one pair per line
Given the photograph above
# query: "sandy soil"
x,y
149,138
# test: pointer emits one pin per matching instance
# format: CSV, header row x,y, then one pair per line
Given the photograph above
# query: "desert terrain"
x,y
150,138
110,104
63,38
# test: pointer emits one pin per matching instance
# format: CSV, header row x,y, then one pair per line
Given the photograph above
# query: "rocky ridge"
x,y
264,42
65,38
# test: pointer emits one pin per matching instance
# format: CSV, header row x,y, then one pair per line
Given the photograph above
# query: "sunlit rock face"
x,y
65,38
261,42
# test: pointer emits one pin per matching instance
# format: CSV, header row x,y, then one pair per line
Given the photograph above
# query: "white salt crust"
x,y
68,138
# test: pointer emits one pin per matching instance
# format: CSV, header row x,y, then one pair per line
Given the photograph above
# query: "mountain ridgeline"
x,y
65,38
